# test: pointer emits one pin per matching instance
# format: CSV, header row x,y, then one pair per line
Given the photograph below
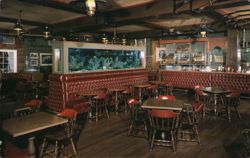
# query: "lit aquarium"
x,y
76,57
100,59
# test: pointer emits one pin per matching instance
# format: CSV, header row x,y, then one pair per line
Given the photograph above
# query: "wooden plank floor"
x,y
219,138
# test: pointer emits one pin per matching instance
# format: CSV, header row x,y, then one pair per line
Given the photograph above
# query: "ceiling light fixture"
x,y
18,26
91,7
203,33
46,32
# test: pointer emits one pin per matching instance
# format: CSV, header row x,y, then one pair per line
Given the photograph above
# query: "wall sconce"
x,y
91,7
18,27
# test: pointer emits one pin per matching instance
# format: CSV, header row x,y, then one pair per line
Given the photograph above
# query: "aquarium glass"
x,y
100,59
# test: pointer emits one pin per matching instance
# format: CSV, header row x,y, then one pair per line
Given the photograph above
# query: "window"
x,y
8,60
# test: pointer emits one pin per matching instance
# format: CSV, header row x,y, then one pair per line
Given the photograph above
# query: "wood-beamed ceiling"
x,y
130,17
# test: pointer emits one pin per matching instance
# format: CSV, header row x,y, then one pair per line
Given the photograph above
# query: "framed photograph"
x,y
33,62
45,59
33,55
160,53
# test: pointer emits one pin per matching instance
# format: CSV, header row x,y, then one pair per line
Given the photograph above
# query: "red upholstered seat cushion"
x,y
198,106
68,113
101,96
33,102
132,102
163,113
167,97
233,94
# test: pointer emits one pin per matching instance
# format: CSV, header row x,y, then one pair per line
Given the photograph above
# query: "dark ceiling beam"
x,y
229,5
157,34
56,5
26,22
160,10
238,11
239,16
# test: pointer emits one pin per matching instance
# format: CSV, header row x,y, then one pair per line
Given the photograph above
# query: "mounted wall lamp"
x,y
91,7
18,26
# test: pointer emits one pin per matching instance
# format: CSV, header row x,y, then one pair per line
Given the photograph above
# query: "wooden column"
x,y
233,45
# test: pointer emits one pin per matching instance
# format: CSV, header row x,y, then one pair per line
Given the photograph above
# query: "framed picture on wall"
x,y
33,62
33,55
45,59
160,53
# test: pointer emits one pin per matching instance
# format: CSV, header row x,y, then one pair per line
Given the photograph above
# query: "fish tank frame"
x,y
81,57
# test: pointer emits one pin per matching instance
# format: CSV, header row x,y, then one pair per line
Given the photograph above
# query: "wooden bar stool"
x,y
62,138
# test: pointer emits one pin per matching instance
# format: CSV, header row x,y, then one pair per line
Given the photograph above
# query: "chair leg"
x,y
131,128
173,141
43,147
96,113
107,112
56,149
197,133
237,111
153,139
74,147
228,113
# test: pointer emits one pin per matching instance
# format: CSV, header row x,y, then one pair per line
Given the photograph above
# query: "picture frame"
x,y
160,53
45,59
33,55
33,62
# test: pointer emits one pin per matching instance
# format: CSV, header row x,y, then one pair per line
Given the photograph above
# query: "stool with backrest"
x,y
99,103
34,104
232,100
138,119
152,91
22,111
127,93
188,122
62,138
202,97
164,124
168,88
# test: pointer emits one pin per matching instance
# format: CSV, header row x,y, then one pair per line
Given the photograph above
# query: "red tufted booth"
x,y
188,79
63,87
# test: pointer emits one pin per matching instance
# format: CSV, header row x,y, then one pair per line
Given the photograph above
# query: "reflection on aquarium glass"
x,y
99,59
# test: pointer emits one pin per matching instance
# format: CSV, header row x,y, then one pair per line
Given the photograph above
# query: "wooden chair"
x,y
164,124
201,97
34,104
232,100
99,103
188,122
23,111
138,119
62,138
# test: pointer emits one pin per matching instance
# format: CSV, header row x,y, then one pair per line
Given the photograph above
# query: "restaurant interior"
x,y
124,78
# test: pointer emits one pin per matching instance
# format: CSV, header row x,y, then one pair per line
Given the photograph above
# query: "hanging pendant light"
x,y
18,26
46,32
91,7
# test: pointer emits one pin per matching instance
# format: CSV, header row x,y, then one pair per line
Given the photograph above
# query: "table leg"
x,y
31,147
140,100
116,102
90,109
215,104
